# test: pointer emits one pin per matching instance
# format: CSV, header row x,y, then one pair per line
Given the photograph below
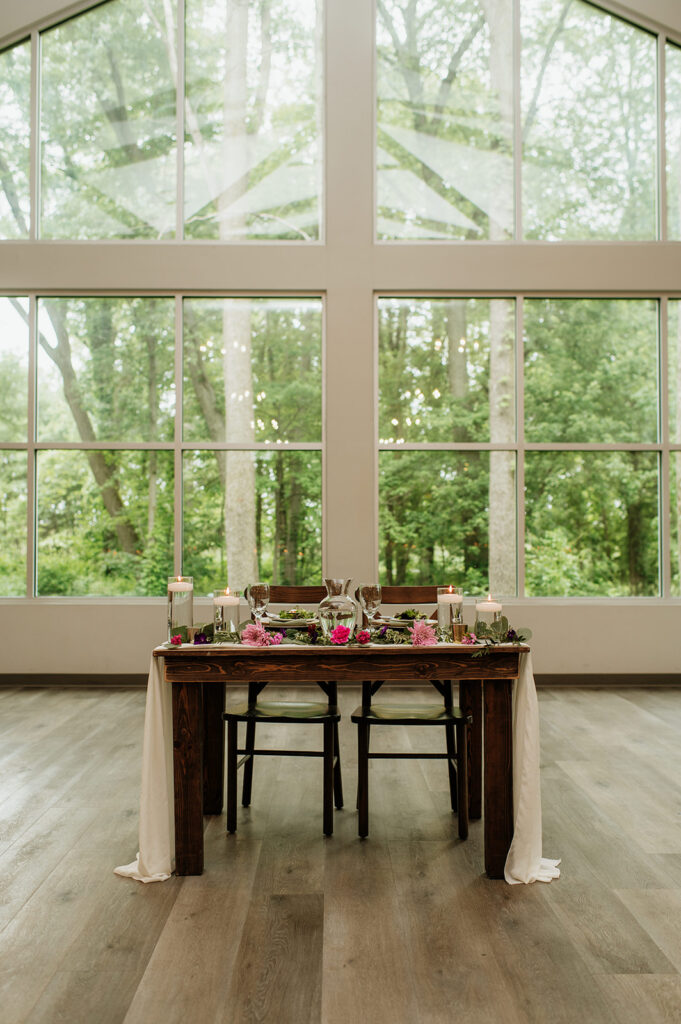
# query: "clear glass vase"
x,y
338,608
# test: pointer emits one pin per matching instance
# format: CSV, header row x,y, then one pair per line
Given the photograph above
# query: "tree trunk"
x,y
153,423
456,360
240,538
103,471
502,476
293,514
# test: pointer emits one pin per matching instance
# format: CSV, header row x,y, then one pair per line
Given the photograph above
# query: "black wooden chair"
x,y
254,710
444,714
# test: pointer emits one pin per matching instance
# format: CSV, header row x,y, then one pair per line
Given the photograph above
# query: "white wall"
x,y
116,637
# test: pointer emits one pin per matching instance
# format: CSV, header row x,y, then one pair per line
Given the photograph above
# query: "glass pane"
x,y
105,369
591,521
674,365
589,124
446,370
105,523
591,370
15,139
675,494
673,139
448,517
13,369
252,515
13,476
253,112
259,359
445,120
108,124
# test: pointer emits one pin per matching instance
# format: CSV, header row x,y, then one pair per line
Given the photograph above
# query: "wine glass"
x,y
258,599
370,599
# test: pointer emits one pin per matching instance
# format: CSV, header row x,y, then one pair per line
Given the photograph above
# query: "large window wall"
x,y
358,289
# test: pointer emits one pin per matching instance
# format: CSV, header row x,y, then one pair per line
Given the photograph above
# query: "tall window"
x,y
451,351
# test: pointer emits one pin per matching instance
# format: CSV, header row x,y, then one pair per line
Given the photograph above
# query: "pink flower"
x,y
469,638
363,637
255,635
276,638
422,634
176,640
340,635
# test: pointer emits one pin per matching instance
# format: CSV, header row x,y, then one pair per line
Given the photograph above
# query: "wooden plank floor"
x,y
287,927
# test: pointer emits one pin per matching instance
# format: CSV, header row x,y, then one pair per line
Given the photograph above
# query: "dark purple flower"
x,y
383,630
201,638
512,636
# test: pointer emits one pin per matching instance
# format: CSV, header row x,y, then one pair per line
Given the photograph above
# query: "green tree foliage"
x,y
253,116
589,130
288,517
108,131
13,523
15,139
285,405
434,518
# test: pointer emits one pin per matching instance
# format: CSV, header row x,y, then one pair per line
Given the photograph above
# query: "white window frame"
x,y
349,270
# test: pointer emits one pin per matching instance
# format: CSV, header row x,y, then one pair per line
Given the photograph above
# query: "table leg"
x,y
497,702
470,701
213,747
188,774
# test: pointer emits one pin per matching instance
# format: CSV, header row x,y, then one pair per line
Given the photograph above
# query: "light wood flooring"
x,y
286,927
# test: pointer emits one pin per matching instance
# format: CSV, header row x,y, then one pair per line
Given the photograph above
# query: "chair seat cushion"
x,y
408,714
282,711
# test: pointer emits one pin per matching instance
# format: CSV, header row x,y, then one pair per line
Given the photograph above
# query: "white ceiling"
x,y
18,15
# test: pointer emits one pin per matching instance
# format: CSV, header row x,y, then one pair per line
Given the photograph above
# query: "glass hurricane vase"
x,y
338,608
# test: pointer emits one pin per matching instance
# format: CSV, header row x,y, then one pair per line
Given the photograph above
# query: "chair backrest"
x,y
409,595
283,594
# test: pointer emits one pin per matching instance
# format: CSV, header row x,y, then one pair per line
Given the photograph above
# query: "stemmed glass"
x,y
370,599
258,599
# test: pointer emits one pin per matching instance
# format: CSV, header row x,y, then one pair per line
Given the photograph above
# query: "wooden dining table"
x,y
199,676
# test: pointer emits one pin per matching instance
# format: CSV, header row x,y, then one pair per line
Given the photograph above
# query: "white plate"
x,y
402,623
274,620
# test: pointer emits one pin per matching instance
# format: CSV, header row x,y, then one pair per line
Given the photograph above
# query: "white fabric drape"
x,y
155,861
156,858
524,862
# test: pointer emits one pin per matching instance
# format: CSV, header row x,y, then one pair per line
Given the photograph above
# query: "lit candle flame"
x,y
450,589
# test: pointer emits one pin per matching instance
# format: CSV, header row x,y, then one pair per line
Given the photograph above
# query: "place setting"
x,y
339,619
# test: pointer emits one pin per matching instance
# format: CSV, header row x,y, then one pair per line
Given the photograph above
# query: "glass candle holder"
x,y
226,610
449,607
180,603
487,611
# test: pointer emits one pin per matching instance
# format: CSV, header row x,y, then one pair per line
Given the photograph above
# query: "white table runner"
x,y
156,858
